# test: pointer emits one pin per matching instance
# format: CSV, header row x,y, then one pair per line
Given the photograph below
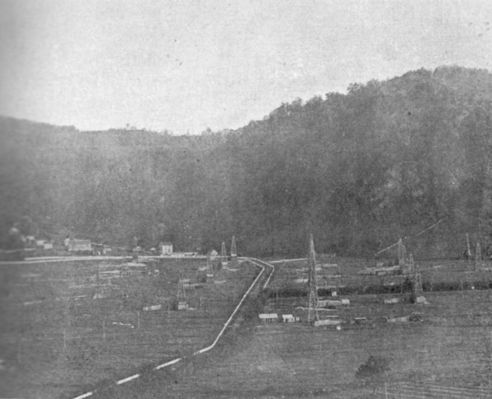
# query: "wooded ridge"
x,y
358,170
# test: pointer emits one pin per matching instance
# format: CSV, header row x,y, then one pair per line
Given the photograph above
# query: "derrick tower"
x,y
416,277
468,247
233,247
402,252
223,253
313,287
478,255
181,296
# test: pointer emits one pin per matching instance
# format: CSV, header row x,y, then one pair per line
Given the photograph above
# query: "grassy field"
x,y
66,326
437,274
447,355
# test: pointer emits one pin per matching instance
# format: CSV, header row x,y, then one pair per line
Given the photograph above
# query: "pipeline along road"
x,y
256,262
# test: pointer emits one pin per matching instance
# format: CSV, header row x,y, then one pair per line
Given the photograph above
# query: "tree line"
x,y
358,170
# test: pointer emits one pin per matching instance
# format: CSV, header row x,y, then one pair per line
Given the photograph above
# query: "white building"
x,y
268,317
328,322
289,318
77,245
166,248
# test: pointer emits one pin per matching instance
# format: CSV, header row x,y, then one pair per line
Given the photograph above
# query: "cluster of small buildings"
x,y
32,242
275,317
77,245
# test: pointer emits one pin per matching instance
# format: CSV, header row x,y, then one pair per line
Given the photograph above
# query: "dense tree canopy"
x,y
358,170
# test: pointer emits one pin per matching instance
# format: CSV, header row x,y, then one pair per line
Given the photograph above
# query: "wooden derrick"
x,y
233,247
402,252
181,296
312,284
223,254
478,256
468,248
411,264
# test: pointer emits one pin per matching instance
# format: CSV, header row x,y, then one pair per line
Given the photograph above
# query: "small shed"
x,y
166,248
289,318
333,302
328,322
152,307
268,317
78,245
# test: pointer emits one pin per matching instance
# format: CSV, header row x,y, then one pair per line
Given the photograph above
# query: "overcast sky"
x,y
187,65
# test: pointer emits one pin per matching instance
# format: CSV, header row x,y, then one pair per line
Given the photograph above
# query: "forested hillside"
x,y
358,170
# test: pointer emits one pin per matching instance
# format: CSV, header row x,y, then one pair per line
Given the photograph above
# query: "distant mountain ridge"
x,y
358,170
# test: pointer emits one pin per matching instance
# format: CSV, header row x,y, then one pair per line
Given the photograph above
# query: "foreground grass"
x,y
65,329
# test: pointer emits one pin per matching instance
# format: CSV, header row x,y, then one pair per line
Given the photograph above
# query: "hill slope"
x,y
358,170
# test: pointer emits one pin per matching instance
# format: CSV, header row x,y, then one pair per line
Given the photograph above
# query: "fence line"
x,y
408,390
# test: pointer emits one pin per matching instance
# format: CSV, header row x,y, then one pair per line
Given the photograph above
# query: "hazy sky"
x,y
187,65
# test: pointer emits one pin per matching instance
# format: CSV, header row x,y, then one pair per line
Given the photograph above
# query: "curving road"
x,y
256,262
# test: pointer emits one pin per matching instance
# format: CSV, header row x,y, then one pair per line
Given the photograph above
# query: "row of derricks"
x,y
315,305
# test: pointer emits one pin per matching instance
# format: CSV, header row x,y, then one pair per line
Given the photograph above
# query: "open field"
x,y
436,274
447,355
66,326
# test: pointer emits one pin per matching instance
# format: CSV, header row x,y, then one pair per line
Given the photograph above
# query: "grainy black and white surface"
x,y
141,142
